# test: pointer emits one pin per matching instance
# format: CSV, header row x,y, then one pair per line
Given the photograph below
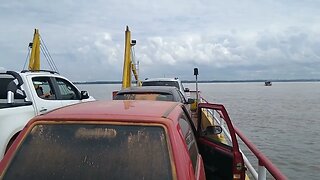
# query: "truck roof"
x,y
112,110
164,82
162,93
161,79
10,74
39,72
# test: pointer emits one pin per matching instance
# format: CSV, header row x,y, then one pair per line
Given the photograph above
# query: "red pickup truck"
x,y
124,140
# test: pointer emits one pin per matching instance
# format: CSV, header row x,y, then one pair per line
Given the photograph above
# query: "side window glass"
x,y
67,90
182,97
43,88
190,140
210,118
182,88
176,84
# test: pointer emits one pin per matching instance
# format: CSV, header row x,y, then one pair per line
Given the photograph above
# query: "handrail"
x,y
263,160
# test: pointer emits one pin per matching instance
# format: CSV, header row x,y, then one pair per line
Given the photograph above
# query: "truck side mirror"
x,y
84,95
212,130
186,90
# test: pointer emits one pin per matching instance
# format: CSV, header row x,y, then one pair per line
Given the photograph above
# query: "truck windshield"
x,y
145,96
92,151
161,83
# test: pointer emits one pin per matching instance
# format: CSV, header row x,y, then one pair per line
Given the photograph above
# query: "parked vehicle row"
x,y
84,140
123,139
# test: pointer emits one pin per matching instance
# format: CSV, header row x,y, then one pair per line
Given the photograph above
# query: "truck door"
x,y
44,95
220,152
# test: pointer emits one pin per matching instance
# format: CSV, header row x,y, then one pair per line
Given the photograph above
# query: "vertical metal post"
x,y
10,97
195,72
197,88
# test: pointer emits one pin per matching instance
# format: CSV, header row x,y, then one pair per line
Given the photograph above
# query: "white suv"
x,y
166,82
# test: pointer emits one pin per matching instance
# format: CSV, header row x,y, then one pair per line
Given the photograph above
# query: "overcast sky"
x,y
226,40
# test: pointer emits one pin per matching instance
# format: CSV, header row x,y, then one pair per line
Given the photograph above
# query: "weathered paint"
x,y
147,112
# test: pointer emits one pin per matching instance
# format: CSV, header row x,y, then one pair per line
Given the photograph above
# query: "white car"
x,y
26,94
166,82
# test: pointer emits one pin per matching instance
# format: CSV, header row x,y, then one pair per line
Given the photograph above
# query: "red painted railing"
x,y
263,160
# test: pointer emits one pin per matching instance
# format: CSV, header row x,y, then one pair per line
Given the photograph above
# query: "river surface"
x,y
282,120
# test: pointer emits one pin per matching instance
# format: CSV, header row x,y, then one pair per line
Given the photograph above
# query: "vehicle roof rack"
x,y
49,71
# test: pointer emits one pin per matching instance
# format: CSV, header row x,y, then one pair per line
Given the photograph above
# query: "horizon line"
x,y
203,81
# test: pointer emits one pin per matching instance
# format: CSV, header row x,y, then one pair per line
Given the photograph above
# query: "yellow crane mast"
x,y
128,65
34,61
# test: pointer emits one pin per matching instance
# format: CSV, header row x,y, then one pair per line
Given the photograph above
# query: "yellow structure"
x,y
34,61
128,64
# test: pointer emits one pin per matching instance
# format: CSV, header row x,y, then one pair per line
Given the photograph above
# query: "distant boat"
x,y
268,83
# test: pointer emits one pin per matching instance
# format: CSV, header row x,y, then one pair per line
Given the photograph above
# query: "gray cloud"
x,y
225,39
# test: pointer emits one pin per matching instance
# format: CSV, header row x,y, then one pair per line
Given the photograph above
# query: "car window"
x,y
161,83
145,96
92,151
190,140
44,88
67,90
182,87
207,116
183,100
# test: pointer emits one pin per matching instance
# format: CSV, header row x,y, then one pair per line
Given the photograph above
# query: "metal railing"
x,y
264,164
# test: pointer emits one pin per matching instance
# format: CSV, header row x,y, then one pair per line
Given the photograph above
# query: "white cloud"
x,y
227,39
